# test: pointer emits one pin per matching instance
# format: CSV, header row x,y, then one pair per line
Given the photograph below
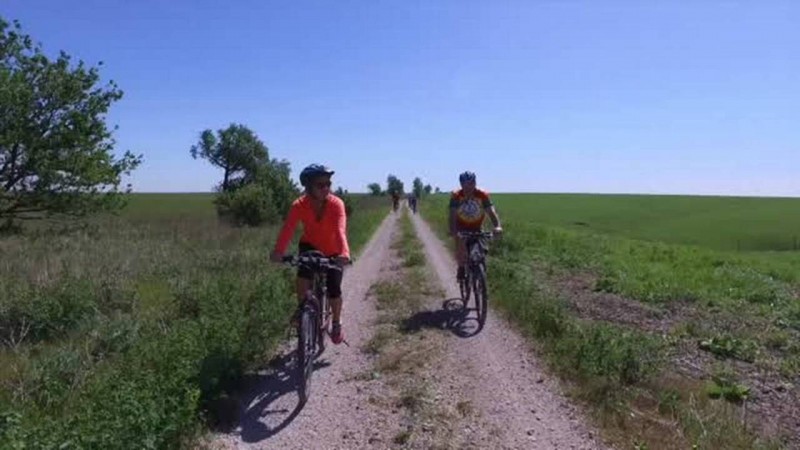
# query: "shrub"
x,y
250,205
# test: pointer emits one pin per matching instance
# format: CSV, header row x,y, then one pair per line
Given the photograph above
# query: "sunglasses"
x,y
322,184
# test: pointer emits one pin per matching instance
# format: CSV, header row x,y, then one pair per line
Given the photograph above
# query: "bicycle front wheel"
x,y
465,286
322,326
481,296
305,354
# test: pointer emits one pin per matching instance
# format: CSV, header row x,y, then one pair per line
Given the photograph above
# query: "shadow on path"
x,y
266,402
453,316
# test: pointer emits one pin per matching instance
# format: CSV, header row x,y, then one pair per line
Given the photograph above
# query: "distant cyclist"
x,y
325,230
395,200
412,202
468,209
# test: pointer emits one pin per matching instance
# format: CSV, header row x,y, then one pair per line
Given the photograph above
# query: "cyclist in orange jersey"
x,y
324,229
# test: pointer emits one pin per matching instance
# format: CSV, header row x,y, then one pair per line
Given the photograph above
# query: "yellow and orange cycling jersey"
x,y
470,211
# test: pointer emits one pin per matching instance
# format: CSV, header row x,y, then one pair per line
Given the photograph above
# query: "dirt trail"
x,y
518,406
513,405
338,414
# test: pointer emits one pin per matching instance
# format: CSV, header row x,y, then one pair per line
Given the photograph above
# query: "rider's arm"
x,y
453,209
341,229
287,231
488,206
493,215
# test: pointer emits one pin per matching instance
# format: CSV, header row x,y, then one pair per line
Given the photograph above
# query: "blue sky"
x,y
635,97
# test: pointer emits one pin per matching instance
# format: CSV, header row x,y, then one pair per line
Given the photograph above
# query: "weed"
x,y
727,346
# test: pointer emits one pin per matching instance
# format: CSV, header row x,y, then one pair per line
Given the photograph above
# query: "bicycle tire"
x,y
319,323
481,296
464,286
305,352
322,306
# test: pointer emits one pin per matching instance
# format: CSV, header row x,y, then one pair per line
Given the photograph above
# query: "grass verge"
x,y
403,358
124,332
627,375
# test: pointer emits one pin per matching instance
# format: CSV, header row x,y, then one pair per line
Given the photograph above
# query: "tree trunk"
x,y
225,179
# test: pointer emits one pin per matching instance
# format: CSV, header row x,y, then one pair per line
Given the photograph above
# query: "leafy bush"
x,y
39,313
152,394
250,205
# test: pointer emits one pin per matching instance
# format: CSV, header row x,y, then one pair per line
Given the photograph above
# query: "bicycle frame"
x,y
315,314
476,255
475,276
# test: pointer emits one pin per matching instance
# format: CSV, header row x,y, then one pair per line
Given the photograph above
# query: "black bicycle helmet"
x,y
312,171
466,176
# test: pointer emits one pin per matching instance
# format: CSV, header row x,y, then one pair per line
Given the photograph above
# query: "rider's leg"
x,y
302,285
302,282
461,256
334,279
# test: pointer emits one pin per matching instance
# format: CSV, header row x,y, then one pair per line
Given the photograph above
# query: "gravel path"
x,y
338,414
515,405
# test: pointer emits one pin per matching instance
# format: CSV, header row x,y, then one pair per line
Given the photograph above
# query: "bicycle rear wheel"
x,y
481,297
305,353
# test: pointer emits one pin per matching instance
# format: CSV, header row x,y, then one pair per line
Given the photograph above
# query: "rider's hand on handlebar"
x,y
342,260
498,231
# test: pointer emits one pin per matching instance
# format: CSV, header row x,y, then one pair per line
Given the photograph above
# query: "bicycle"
x,y
312,325
474,280
412,203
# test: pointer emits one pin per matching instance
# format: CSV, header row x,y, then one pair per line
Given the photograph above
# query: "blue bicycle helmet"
x,y
466,176
312,171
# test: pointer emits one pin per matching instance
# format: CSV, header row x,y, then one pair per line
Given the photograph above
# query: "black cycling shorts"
x,y
334,277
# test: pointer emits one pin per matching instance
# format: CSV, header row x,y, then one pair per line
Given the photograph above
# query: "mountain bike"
x,y
474,281
315,315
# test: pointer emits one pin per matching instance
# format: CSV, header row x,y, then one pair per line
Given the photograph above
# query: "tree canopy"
x,y
56,151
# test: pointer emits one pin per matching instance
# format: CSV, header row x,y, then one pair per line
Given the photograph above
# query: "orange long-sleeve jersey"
x,y
328,235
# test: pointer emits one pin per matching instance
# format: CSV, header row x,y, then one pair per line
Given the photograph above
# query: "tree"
x,y
236,150
277,176
428,189
56,152
347,199
437,190
418,187
394,185
374,189
254,189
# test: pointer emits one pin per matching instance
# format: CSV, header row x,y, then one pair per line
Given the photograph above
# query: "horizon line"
x,y
444,192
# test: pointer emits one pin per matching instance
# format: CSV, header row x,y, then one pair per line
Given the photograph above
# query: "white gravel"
x,y
514,404
518,406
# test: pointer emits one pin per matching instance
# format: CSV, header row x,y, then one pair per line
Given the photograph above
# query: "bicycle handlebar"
x,y
314,262
486,234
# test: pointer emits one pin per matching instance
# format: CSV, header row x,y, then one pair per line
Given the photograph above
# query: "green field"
x,y
130,328
722,223
624,292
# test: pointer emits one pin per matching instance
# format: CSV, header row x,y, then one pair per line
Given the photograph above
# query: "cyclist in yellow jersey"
x,y
469,207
